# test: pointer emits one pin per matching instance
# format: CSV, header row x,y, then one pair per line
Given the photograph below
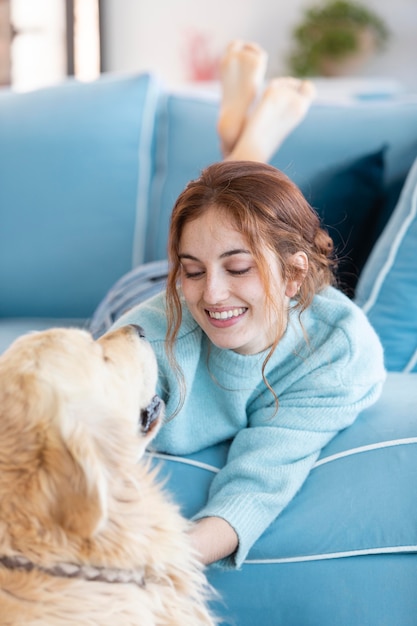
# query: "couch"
x,y
88,176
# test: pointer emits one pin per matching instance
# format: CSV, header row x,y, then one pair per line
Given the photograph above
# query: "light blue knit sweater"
x,y
321,385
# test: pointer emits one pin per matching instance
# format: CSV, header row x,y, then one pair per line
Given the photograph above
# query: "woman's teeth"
x,y
224,315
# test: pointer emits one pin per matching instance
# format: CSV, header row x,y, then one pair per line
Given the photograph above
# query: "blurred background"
x,y
44,41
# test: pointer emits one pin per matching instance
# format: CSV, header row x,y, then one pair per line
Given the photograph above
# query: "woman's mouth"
x,y
225,317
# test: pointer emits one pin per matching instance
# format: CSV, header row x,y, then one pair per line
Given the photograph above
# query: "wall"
x,y
155,34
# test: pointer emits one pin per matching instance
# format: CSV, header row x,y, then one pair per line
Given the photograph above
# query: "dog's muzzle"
x,y
149,415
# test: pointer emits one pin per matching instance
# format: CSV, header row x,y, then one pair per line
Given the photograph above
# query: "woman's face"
x,y
222,285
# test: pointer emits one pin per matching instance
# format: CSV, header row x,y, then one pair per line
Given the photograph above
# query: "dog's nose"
x,y
150,415
139,330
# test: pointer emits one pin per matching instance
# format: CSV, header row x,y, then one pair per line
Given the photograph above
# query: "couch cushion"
x,y
365,480
75,166
349,530
12,328
387,289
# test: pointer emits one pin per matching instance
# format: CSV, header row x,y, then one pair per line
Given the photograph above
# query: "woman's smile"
x,y
226,317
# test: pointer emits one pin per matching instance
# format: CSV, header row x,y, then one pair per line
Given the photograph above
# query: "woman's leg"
x,y
242,73
252,127
281,108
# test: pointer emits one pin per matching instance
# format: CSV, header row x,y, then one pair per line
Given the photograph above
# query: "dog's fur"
x,y
72,490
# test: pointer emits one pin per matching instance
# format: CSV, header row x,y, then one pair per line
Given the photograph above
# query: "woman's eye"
x,y
196,273
192,274
239,272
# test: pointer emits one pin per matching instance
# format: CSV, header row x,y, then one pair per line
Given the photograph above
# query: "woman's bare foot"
x,y
283,105
242,72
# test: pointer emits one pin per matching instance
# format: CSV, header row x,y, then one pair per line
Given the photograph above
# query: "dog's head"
x,y
68,406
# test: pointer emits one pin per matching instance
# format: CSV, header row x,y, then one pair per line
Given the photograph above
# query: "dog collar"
x,y
72,570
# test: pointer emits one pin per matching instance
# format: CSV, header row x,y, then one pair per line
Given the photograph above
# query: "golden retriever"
x,y
87,535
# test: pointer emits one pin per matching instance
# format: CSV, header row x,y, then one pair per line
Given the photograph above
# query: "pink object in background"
x,y
201,63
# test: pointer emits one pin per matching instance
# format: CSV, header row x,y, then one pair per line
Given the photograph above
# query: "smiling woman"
x,y
254,345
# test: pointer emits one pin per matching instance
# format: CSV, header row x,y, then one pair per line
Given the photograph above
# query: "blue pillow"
x,y
347,198
350,532
75,172
387,288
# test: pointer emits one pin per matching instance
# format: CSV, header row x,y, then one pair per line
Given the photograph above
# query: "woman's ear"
x,y
297,270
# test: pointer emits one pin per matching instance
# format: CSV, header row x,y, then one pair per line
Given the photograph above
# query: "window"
x,y
43,41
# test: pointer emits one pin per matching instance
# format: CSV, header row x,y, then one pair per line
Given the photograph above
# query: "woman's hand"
x,y
213,538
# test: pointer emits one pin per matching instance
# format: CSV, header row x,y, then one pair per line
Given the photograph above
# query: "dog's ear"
x,y
80,502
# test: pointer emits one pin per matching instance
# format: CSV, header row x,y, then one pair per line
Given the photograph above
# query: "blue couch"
x,y
88,176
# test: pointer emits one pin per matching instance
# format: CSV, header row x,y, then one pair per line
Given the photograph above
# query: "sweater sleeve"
x,y
270,459
266,467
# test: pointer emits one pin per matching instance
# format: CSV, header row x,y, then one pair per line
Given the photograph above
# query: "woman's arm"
x,y
213,538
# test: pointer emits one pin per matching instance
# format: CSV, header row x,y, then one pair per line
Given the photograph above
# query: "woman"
x,y
269,354
254,343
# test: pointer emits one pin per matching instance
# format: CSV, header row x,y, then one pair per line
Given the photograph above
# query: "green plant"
x,y
333,30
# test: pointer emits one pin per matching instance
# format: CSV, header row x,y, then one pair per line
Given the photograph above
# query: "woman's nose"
x,y
215,289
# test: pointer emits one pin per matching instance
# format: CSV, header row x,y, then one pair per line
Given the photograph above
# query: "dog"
x,y
87,533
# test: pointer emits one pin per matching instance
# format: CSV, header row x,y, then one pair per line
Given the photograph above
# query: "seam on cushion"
x,y
158,181
144,171
329,459
411,363
379,281
315,557
335,555
179,459
369,448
